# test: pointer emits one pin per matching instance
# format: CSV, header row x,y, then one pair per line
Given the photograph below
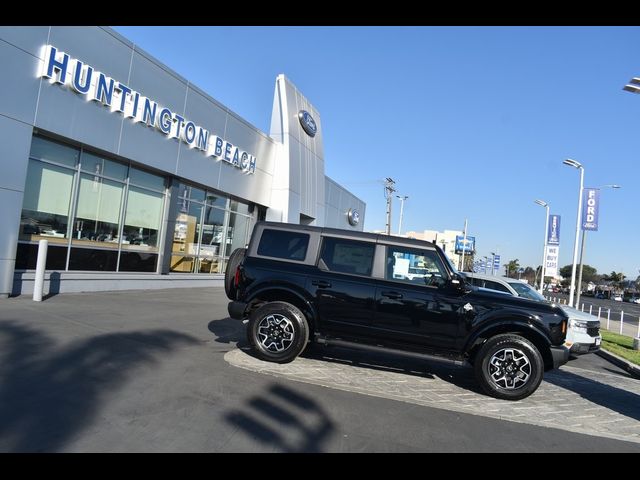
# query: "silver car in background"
x,y
583,333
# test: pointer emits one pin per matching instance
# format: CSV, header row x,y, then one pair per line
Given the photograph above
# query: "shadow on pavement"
x,y
49,394
622,401
283,420
459,375
227,330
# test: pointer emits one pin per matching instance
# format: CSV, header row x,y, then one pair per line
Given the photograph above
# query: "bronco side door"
x,y
415,302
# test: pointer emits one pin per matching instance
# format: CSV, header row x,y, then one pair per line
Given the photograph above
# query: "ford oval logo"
x,y
353,216
308,123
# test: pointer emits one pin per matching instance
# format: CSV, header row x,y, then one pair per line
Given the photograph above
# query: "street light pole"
x,y
544,248
584,236
578,165
402,199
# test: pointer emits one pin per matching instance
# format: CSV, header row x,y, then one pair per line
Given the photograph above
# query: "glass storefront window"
x,y
47,197
104,215
44,149
185,238
210,247
98,196
142,220
103,167
190,192
98,212
237,232
93,259
216,200
147,180
239,207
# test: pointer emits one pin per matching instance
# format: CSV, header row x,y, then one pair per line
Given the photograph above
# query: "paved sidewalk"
x,y
570,398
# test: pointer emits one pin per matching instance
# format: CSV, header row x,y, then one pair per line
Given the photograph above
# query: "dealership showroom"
x,y
136,178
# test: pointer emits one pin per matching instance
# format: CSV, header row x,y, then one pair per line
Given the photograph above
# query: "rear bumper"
x,y
560,355
237,310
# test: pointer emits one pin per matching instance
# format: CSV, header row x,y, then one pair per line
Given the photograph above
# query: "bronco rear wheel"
x,y
277,332
509,367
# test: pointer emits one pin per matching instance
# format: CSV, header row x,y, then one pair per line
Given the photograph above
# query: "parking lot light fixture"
x,y
578,165
544,249
633,86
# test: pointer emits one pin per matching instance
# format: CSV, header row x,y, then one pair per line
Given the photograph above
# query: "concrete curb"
x,y
620,362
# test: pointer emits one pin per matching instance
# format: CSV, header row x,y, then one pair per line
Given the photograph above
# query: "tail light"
x,y
236,278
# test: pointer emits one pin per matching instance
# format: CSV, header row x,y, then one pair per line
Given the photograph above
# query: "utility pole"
x,y
388,193
464,245
402,199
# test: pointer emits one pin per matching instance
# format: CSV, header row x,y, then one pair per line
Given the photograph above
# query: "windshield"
x,y
449,262
526,291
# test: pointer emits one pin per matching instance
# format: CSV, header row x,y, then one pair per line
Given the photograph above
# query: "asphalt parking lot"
x,y
167,371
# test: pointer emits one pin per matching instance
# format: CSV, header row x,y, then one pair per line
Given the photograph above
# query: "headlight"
x,y
578,325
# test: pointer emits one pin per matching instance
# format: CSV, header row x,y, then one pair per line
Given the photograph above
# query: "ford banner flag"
x,y
553,234
590,206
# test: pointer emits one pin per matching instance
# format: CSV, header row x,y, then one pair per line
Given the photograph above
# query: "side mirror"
x,y
457,282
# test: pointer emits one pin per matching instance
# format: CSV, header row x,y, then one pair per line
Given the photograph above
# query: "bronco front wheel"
x,y
509,367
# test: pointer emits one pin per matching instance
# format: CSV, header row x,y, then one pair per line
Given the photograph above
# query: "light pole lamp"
x,y
402,199
584,236
578,165
633,86
544,248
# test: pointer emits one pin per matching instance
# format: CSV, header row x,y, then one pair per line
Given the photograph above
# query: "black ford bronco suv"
x,y
297,284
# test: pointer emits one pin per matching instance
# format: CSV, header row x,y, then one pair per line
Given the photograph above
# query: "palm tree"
x,y
512,267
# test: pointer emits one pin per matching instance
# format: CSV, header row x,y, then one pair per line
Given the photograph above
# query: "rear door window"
x,y
283,244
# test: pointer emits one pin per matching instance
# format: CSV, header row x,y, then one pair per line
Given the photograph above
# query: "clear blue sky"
x,y
471,122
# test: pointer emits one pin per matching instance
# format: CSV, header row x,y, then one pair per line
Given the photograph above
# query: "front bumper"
x,y
560,355
237,310
582,348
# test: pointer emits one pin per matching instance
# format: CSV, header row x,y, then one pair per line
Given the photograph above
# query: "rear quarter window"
x,y
283,244
348,256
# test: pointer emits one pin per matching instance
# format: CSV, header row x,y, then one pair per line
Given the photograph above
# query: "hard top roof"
x,y
356,235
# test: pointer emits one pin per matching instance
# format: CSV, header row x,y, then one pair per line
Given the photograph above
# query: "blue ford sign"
x,y
590,207
553,235
308,123
468,245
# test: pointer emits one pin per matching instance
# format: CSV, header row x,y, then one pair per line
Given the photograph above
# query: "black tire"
x,y
509,367
278,332
236,258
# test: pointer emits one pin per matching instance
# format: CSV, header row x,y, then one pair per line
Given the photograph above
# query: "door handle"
x,y
393,295
321,283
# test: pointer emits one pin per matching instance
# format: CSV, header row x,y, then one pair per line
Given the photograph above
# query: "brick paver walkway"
x,y
574,399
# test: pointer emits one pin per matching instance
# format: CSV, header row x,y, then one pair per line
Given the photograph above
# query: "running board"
x,y
379,349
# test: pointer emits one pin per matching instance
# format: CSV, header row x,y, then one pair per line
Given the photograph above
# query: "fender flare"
x,y
308,309
513,324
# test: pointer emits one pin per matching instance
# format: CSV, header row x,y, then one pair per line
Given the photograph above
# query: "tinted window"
x,y
348,256
496,286
283,244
